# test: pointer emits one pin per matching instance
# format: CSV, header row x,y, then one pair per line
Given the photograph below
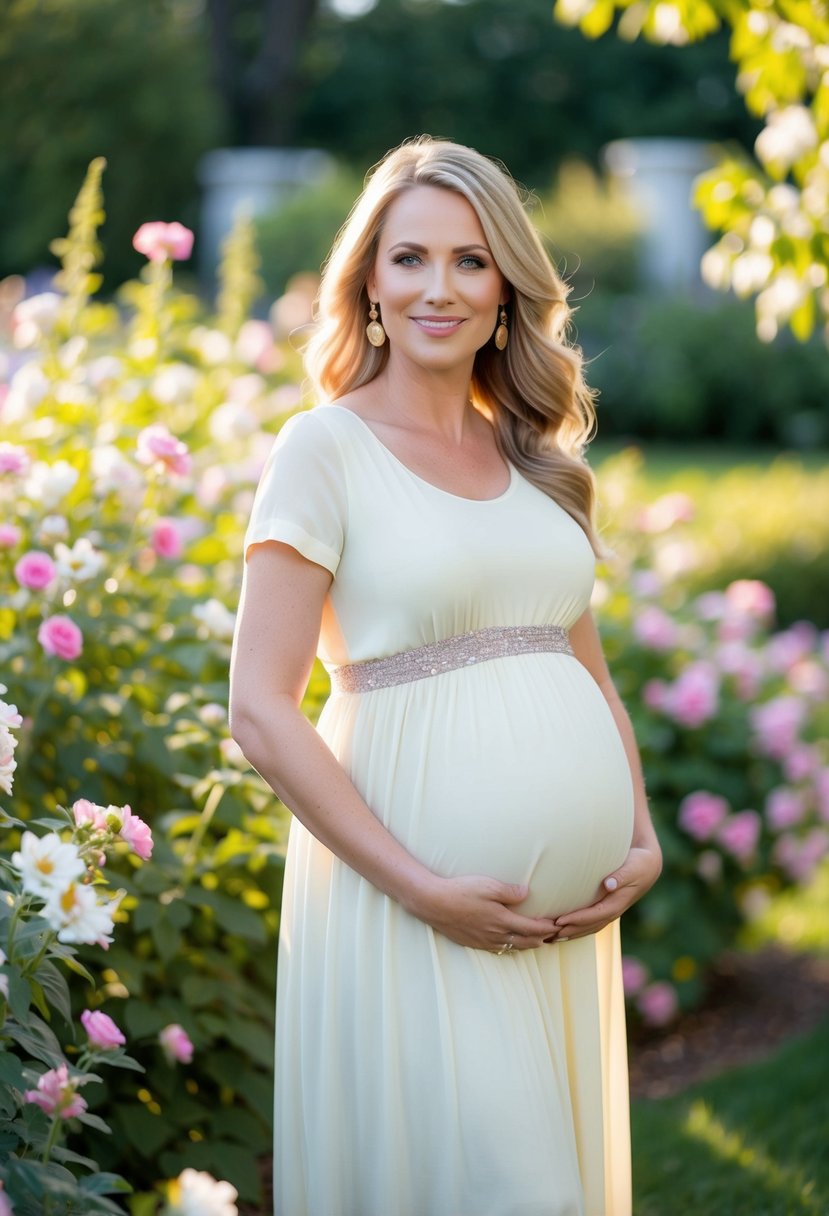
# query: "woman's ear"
x,y
371,287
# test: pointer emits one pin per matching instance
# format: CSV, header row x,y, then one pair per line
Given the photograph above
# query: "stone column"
x,y
658,176
255,179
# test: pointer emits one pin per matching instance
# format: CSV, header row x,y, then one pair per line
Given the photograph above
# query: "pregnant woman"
x,y
470,819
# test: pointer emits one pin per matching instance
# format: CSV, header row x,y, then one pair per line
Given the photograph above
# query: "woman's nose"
x,y
439,288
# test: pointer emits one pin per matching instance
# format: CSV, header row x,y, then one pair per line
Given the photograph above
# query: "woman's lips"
x,y
439,325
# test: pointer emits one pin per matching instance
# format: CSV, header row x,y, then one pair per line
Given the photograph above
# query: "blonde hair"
x,y
533,392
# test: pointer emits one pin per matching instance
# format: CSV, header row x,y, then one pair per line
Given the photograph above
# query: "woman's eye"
x,y
471,262
406,259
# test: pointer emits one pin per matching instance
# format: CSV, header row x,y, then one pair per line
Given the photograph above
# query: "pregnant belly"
x,y
507,774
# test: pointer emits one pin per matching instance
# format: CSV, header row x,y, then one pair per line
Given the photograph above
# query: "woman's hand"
x,y
478,912
623,887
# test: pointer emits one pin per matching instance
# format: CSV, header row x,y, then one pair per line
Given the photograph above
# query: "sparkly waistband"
x,y
462,650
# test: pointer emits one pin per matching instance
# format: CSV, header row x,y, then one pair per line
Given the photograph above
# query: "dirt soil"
x,y
755,1002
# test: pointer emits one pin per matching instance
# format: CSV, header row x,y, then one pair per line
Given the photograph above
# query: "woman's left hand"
x,y
623,887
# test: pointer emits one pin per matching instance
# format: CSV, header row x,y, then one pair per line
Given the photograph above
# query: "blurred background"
x,y
675,157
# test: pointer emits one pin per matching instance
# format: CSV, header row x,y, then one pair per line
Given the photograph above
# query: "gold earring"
x,y
374,330
502,333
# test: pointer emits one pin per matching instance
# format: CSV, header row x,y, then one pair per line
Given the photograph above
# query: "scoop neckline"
x,y
332,405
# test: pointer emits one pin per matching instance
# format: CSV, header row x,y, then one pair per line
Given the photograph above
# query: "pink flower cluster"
x,y
118,819
706,816
60,636
657,1002
691,700
35,570
159,241
157,446
57,1094
101,1031
176,1045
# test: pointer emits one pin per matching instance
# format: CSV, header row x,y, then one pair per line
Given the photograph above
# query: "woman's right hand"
x,y
477,911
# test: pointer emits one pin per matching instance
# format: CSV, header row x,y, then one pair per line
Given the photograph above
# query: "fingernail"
x,y
563,939
611,884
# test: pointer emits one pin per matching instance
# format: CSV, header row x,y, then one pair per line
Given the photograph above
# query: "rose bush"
x,y
119,563
731,719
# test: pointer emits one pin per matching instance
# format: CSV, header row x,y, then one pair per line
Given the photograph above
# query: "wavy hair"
x,y
533,392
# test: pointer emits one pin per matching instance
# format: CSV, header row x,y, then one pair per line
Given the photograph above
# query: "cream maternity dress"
x,y
414,1076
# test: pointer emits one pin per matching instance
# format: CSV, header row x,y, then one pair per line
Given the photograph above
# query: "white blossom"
x,y
80,563
34,319
231,421
76,914
174,384
196,1193
787,136
49,483
28,386
47,864
219,620
111,471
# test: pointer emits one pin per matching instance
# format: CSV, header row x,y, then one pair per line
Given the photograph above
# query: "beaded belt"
x,y
462,650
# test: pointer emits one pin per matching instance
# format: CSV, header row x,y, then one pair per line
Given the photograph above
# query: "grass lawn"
x,y
665,462
752,1142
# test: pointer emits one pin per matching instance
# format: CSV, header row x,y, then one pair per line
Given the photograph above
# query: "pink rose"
x,y
155,444
102,1032
668,510
809,679
658,1003
654,694
166,538
60,635
159,241
784,808
86,812
801,762
750,597
701,813
694,697
655,629
776,724
176,1044
136,833
35,570
746,666
800,858
740,833
634,975
9,536
56,1094
13,459
787,648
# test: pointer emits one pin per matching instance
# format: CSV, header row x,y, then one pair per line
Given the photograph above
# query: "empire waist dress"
x,y
415,1076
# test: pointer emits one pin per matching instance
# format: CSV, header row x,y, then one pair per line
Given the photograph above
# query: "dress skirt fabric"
x,y
414,1076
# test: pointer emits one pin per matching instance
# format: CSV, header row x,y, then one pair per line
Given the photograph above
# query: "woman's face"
x,y
435,279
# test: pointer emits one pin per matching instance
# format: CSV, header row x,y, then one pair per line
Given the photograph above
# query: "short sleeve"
x,y
301,497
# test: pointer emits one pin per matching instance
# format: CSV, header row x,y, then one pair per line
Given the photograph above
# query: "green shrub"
x,y
673,370
297,236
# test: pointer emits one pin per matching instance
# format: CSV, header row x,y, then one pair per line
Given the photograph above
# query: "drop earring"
x,y
374,330
502,333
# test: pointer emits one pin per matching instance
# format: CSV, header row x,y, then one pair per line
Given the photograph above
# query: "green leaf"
x,y
11,1070
94,1121
37,1039
55,987
106,1184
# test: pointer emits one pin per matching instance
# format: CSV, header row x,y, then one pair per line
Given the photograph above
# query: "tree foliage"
x,y
773,211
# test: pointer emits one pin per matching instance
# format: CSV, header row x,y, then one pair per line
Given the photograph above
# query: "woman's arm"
x,y
276,636
643,864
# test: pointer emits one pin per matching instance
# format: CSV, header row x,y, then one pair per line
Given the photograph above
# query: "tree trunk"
x,y
259,91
